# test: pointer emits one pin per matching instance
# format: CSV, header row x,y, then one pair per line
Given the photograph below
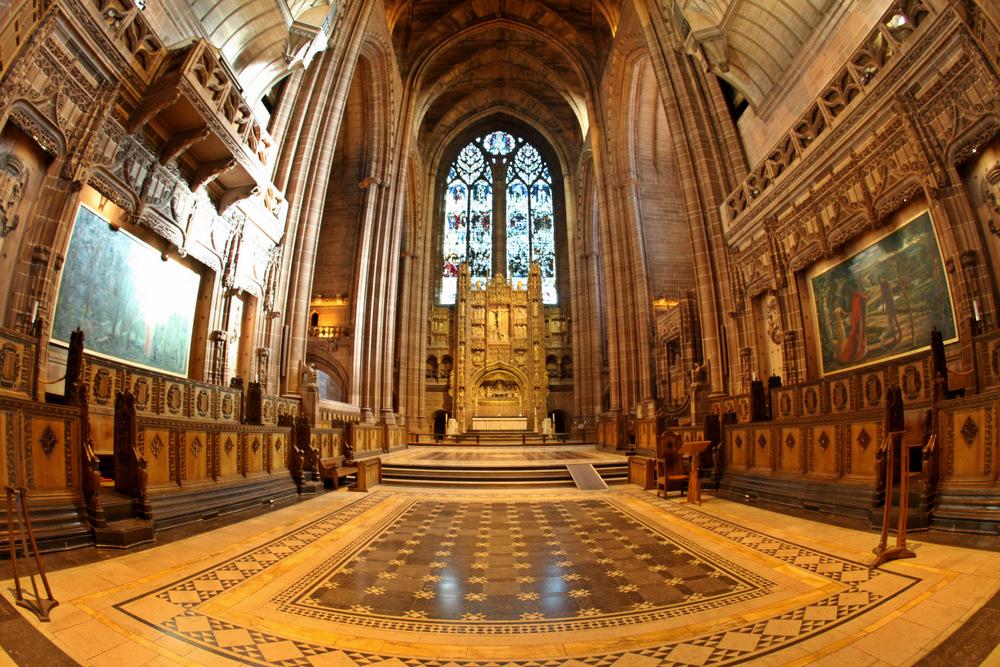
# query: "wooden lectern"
x,y
694,450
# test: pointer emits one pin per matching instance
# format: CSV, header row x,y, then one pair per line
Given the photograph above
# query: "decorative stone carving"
x,y
864,439
969,431
772,320
13,183
48,440
823,441
156,446
991,194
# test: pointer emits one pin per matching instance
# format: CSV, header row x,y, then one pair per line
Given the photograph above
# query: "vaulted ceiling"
x,y
528,59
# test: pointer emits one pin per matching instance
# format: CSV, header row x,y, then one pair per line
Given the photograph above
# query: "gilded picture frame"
x,y
131,303
883,301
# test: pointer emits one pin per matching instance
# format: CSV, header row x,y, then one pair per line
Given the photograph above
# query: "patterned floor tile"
x,y
513,580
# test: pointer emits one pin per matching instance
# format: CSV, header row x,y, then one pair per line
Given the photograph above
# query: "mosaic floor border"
x,y
250,645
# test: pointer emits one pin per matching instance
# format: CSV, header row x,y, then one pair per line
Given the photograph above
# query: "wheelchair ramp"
x,y
586,477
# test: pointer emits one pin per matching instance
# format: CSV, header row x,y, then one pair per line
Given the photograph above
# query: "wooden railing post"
x,y
131,477
254,404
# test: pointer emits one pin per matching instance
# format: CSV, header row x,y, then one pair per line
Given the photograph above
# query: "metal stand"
x,y
39,606
882,553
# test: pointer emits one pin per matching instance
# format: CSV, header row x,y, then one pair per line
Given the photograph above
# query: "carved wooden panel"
x,y
279,453
17,356
9,473
988,353
824,454
254,453
154,444
228,465
861,440
786,402
46,449
791,446
738,448
366,437
144,388
970,442
763,449
196,452
873,386
842,395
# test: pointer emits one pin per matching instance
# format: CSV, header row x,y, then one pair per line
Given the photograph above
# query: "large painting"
x,y
131,304
884,301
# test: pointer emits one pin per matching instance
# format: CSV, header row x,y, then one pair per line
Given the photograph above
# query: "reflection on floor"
x,y
508,456
562,579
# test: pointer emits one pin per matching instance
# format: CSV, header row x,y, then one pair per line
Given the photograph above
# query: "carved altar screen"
x,y
499,380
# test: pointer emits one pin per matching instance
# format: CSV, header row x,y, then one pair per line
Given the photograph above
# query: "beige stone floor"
x,y
151,607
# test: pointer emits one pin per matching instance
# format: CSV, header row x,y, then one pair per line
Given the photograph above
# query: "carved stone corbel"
x,y
235,195
182,141
209,171
151,105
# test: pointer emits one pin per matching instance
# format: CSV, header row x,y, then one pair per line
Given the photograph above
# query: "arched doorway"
x,y
440,424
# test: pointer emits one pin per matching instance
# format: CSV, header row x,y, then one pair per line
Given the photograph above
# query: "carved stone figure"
x,y
13,182
773,320
307,374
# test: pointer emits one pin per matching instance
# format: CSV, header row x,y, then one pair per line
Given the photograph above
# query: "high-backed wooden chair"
x,y
671,472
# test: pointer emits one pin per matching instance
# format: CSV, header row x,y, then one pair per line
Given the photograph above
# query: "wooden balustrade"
x,y
369,473
642,471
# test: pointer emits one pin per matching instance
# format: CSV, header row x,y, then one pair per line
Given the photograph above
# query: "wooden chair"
x,y
670,466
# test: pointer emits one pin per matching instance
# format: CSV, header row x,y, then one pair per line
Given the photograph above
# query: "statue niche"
x,y
500,385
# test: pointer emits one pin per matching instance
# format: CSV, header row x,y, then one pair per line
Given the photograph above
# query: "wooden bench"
x,y
334,468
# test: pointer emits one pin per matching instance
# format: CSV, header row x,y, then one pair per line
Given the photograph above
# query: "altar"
x,y
499,423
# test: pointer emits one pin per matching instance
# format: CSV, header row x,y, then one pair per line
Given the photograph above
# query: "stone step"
x,y
538,475
124,534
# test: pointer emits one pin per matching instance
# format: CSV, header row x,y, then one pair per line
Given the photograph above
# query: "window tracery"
x,y
473,192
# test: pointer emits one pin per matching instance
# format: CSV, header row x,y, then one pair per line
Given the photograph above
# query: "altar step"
x,y
518,438
495,441
552,475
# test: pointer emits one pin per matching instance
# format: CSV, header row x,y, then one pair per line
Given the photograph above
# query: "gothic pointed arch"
x,y
499,203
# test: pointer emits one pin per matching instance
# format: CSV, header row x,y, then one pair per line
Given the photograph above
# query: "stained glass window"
x,y
527,223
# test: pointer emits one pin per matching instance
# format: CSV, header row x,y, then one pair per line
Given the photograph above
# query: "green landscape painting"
x,y
130,304
885,300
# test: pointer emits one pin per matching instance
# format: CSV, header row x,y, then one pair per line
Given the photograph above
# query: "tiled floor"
x,y
562,579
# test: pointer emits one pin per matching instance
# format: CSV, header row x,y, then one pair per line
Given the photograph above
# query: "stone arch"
x,y
445,156
499,371
327,363
39,127
361,161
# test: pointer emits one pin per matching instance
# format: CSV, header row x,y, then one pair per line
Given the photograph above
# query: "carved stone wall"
x,y
927,102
